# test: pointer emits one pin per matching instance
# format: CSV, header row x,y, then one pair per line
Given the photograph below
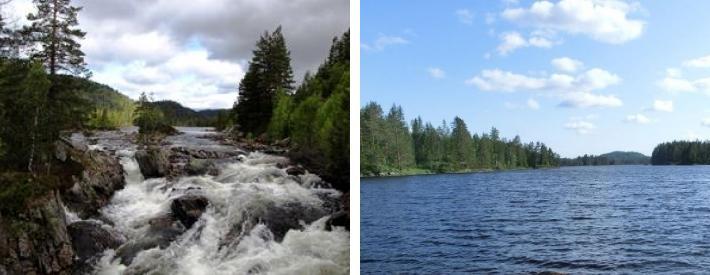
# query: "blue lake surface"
x,y
578,220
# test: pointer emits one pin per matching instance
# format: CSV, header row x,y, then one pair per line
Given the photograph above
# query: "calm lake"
x,y
581,220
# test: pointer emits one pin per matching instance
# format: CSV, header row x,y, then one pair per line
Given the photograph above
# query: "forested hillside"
x,y
389,145
612,158
313,117
178,115
681,153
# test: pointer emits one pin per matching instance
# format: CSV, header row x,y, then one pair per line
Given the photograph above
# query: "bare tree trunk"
x,y
34,138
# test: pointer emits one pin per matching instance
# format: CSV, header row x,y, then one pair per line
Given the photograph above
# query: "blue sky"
x,y
583,76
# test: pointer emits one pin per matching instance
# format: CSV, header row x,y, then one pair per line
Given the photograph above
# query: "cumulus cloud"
x,y
566,64
676,83
662,106
701,62
582,127
498,80
587,100
465,16
384,41
602,20
137,45
511,41
637,118
437,73
574,90
705,122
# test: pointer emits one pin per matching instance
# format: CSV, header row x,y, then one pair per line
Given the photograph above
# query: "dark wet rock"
x,y
90,239
296,170
100,177
162,231
341,219
188,208
36,240
201,167
153,162
278,218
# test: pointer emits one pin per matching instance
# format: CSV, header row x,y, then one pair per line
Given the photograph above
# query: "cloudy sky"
x,y
195,52
583,76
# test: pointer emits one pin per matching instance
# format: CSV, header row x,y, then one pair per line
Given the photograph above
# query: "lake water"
x,y
579,220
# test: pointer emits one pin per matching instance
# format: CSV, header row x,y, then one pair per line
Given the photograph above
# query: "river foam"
x,y
253,186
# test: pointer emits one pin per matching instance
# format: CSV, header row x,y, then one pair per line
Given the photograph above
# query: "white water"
x,y
243,188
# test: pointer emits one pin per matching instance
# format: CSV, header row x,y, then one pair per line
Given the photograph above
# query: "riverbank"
x,y
425,172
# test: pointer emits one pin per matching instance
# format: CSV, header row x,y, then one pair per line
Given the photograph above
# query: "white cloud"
x,y
705,122
465,16
588,100
567,64
580,126
511,41
384,41
533,104
602,20
701,62
437,73
498,80
662,105
675,82
637,118
190,77
574,90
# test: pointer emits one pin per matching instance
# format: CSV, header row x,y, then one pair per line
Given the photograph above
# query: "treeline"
x,y
613,158
681,153
39,96
389,145
313,117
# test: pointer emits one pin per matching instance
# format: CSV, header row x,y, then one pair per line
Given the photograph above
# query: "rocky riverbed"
x,y
196,203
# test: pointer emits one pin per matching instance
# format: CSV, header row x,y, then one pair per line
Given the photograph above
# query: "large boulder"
x,y
36,241
153,162
201,167
100,177
278,218
90,239
161,232
188,208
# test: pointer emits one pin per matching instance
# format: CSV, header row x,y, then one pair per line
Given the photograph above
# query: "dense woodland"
x,y
390,145
613,158
681,153
313,117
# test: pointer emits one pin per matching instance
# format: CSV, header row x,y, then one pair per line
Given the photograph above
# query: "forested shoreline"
x,y
681,153
388,146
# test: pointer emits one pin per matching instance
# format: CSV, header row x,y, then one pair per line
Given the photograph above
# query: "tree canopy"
x,y
388,145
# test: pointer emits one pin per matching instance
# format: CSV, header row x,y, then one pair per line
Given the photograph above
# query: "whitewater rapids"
x,y
242,188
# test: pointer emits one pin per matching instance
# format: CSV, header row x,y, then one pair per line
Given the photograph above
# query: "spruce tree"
x,y
269,71
53,37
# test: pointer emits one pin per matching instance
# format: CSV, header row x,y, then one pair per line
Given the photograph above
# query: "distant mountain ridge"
x,y
112,109
179,115
611,158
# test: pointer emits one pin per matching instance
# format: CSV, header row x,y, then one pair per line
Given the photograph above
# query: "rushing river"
x,y
578,220
248,186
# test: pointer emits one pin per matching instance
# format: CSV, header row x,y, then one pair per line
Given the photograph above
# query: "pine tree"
x,y
54,31
269,71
